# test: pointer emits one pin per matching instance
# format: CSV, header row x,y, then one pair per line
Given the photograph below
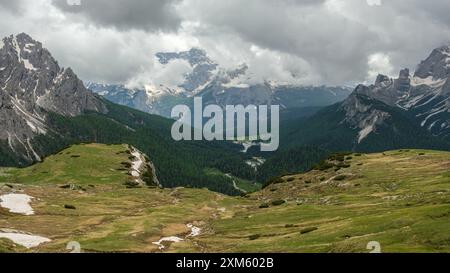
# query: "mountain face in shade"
x,y
409,111
425,95
32,84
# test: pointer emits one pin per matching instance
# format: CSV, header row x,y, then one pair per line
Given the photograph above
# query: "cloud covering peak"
x,y
333,42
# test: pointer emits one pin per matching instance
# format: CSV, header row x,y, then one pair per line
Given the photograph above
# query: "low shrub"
x,y
340,178
126,164
70,207
273,181
278,202
308,230
323,166
254,237
131,184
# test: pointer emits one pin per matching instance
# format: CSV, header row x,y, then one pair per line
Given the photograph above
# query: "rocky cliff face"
x,y
32,84
409,111
425,96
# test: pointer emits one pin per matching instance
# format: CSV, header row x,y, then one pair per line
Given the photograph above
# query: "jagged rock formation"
x,y
411,111
425,95
32,84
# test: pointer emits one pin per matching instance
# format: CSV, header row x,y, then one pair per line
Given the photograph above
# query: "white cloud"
x,y
171,75
266,65
379,63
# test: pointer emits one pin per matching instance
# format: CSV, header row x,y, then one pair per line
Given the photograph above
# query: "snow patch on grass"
x,y
17,203
137,164
195,231
172,239
23,239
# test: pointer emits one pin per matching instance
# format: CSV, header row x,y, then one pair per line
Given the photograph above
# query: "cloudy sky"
x,y
333,42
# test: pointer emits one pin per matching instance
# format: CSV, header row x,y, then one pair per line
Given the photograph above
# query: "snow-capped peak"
x,y
203,68
194,56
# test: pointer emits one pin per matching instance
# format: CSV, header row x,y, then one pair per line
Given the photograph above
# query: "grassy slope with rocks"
x,y
398,198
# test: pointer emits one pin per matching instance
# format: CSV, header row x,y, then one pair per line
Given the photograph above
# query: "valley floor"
x,y
400,199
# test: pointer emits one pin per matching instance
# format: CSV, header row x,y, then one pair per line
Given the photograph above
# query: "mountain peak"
x,y
25,38
202,67
31,85
195,56
382,79
196,51
425,97
437,65
403,83
444,50
20,41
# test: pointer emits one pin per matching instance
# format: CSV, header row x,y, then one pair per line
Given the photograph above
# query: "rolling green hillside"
x,y
400,199
329,130
307,140
177,163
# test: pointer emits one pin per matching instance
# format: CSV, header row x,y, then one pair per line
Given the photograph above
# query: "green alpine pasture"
x,y
400,199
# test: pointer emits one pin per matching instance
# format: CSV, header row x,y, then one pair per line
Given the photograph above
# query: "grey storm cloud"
x,y
126,14
331,42
335,36
14,6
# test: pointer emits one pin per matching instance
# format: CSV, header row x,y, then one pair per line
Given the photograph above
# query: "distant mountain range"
x,y
409,111
217,86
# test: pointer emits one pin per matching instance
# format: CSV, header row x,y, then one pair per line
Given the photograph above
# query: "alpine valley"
x,y
96,165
